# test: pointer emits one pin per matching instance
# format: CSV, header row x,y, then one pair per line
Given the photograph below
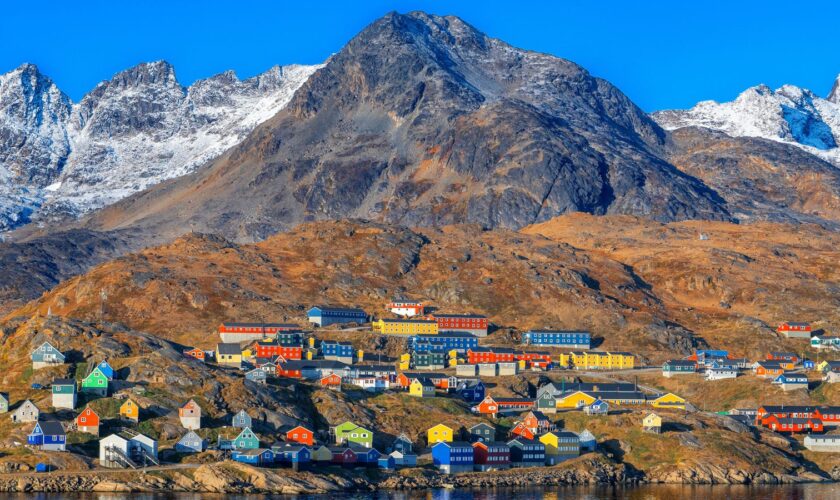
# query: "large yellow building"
x,y
597,360
669,400
388,326
421,388
577,399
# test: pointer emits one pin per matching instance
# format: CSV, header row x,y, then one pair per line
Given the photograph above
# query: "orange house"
x,y
301,435
331,380
537,422
768,369
196,353
522,430
88,421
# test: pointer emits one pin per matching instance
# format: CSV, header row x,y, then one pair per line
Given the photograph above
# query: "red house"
x,y
332,380
520,429
88,421
300,435
272,349
344,456
473,323
287,370
476,355
491,455
783,356
828,415
196,353
492,406
440,380
781,424
794,327
535,358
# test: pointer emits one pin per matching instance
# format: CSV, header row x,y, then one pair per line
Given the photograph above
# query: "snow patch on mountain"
x,y
788,114
129,133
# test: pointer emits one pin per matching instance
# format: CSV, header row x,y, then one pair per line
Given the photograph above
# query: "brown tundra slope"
x,y
651,288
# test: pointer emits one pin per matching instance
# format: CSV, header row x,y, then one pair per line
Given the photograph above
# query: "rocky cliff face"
x,y
425,120
133,131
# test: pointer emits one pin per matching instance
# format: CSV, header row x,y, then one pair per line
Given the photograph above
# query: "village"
x,y
445,356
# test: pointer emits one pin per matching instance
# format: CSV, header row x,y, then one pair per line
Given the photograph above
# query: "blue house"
x,y
403,444
598,407
48,435
453,457
293,454
367,456
324,316
340,351
471,391
241,420
558,338
445,341
386,462
257,375
526,452
106,369
257,456
808,364
191,443
46,355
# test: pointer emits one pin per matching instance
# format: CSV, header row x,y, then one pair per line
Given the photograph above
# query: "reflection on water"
x,y
647,492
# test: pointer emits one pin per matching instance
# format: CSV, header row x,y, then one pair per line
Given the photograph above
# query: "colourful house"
x,y
597,408
421,388
130,411
768,369
675,367
526,452
453,457
597,360
254,456
4,402
196,353
191,443
546,402
652,423
560,446
301,435
491,455
575,400
482,432
64,393
88,421
245,440
322,454
46,355
438,434
229,354
48,436
558,338
190,415
388,326
522,430
325,316
669,400
241,420
106,369
96,383
349,433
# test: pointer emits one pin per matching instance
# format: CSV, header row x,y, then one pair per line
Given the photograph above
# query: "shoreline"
x,y
231,477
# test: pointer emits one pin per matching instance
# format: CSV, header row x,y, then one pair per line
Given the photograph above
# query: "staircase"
x,y
147,458
114,454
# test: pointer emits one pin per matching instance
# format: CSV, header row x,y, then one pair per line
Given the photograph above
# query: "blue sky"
x,y
663,54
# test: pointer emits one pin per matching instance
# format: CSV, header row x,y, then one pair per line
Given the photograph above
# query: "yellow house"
x,y
130,411
247,354
405,361
388,326
564,359
669,400
421,388
550,440
822,366
652,423
577,399
229,354
597,360
439,434
321,454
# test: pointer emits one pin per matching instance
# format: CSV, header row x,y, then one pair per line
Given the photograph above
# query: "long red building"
x,y
478,355
470,323
271,349
245,332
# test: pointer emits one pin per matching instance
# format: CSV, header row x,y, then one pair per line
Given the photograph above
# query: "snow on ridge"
x,y
127,134
789,114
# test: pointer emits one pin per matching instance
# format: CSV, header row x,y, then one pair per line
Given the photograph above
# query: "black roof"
x,y
228,348
51,427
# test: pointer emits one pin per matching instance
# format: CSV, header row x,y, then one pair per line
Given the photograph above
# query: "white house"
x,y
721,373
823,442
371,384
27,412
127,449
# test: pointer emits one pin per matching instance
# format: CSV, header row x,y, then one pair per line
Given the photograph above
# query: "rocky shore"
x,y
230,477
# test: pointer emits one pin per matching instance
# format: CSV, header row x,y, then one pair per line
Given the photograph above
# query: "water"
x,y
645,492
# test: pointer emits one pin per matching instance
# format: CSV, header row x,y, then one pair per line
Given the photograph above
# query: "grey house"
x,y
482,432
27,412
46,355
257,375
64,393
241,420
191,443
4,402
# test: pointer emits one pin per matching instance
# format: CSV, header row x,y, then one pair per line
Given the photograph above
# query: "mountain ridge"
x,y
59,158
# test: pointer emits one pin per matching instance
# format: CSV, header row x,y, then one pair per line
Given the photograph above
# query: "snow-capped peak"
x,y
834,95
128,133
789,114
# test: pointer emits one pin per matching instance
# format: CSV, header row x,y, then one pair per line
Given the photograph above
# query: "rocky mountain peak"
x,y
834,95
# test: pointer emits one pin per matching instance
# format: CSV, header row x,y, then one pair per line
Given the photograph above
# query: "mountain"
x,y
60,158
834,95
424,120
789,114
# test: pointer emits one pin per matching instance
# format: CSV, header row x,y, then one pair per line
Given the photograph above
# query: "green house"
x,y
348,433
246,440
95,383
